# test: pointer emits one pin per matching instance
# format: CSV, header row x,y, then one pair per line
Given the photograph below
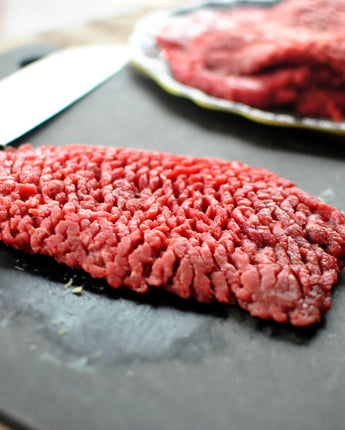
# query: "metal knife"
x,y
44,88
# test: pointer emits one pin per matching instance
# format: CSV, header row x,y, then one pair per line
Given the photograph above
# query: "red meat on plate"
x,y
205,228
289,56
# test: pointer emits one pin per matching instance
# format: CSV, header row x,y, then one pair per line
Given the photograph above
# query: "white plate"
x,y
146,56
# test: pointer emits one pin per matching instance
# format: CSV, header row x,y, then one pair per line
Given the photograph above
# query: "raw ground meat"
x,y
198,227
290,55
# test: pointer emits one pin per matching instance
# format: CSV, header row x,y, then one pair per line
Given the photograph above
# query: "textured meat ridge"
x,y
290,55
204,228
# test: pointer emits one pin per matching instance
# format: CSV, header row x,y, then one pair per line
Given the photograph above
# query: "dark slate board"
x,y
157,362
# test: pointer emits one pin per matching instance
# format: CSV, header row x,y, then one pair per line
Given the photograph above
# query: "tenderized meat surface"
x,y
205,228
287,56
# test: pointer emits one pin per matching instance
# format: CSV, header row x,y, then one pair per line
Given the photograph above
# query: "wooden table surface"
x,y
113,29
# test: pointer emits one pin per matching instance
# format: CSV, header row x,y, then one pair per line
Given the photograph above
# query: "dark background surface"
x,y
116,360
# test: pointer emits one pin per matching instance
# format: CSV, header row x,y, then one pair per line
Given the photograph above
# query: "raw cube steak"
x,y
289,56
205,228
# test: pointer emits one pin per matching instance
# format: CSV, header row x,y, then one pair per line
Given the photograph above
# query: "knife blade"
x,y
40,90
